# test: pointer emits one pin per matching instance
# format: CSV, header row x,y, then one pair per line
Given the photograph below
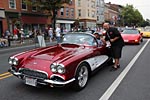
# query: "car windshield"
x,y
129,31
79,38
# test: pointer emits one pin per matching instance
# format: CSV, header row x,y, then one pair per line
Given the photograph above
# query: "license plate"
x,y
126,41
31,81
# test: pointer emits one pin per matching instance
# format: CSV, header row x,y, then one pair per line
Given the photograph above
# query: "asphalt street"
x,y
134,86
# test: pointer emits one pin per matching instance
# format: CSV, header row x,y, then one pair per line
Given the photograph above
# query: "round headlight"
x,y
10,60
61,69
53,68
15,61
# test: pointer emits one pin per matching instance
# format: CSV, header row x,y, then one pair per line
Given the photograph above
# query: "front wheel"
x,y
81,77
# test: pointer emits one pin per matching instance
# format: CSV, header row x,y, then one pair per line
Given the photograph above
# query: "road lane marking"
x,y
116,83
5,75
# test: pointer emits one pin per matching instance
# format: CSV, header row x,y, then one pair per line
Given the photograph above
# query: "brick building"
x,y
19,14
86,13
112,13
66,15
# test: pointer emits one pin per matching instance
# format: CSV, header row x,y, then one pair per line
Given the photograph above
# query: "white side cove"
x,y
95,62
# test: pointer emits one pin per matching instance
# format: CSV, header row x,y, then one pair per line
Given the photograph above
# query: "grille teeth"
x,y
33,73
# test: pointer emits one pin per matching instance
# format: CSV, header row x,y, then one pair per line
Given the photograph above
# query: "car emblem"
x,y
35,63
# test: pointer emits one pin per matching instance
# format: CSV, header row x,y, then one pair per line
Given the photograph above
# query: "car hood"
x,y
44,58
59,53
130,36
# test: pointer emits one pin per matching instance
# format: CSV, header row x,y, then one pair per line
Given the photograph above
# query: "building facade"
x,y
100,6
19,14
112,13
86,13
66,16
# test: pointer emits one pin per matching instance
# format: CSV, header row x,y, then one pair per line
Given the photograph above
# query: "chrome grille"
x,y
33,73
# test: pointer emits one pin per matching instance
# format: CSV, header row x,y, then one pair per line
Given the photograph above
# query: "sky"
x,y
142,5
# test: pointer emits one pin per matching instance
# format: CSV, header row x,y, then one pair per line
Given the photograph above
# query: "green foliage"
x,y
131,16
145,23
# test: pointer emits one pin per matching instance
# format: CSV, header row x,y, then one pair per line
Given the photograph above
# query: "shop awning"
x,y
64,21
34,20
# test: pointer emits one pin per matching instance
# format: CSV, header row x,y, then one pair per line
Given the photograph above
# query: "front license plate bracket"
x,y
31,81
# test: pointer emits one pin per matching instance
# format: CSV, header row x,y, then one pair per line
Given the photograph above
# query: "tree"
x,y
145,23
131,16
49,7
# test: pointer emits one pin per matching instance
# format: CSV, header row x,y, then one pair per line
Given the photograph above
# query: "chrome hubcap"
x,y
83,76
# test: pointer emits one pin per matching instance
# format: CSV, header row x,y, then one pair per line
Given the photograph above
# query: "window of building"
x,y
24,5
67,11
97,10
93,4
12,4
79,3
93,14
79,12
97,3
88,13
62,11
72,12
98,18
34,8
71,2
101,2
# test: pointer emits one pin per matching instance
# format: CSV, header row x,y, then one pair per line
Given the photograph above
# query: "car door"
x,y
99,55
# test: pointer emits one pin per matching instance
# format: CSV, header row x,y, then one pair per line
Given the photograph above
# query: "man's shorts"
x,y
116,51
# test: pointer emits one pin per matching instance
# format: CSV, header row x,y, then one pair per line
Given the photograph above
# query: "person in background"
x,y
21,32
58,35
114,37
8,37
50,33
15,33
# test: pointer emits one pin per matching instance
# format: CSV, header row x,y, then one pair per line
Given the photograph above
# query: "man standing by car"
x,y
117,43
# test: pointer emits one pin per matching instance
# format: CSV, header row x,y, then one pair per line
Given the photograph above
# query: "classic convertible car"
x,y
70,62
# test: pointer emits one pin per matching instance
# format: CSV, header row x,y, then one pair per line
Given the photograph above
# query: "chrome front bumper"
x,y
44,81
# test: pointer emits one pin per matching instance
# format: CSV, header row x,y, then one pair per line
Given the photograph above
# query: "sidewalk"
x,y
26,42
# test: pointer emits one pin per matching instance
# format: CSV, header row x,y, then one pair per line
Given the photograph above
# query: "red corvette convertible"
x,y
132,36
71,61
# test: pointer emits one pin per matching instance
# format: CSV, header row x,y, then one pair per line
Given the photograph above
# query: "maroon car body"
x,y
71,61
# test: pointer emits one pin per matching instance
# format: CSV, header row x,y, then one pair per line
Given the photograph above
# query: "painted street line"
x,y
5,75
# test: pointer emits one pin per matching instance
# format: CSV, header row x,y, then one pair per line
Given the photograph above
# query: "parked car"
x,y
146,33
132,36
70,62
